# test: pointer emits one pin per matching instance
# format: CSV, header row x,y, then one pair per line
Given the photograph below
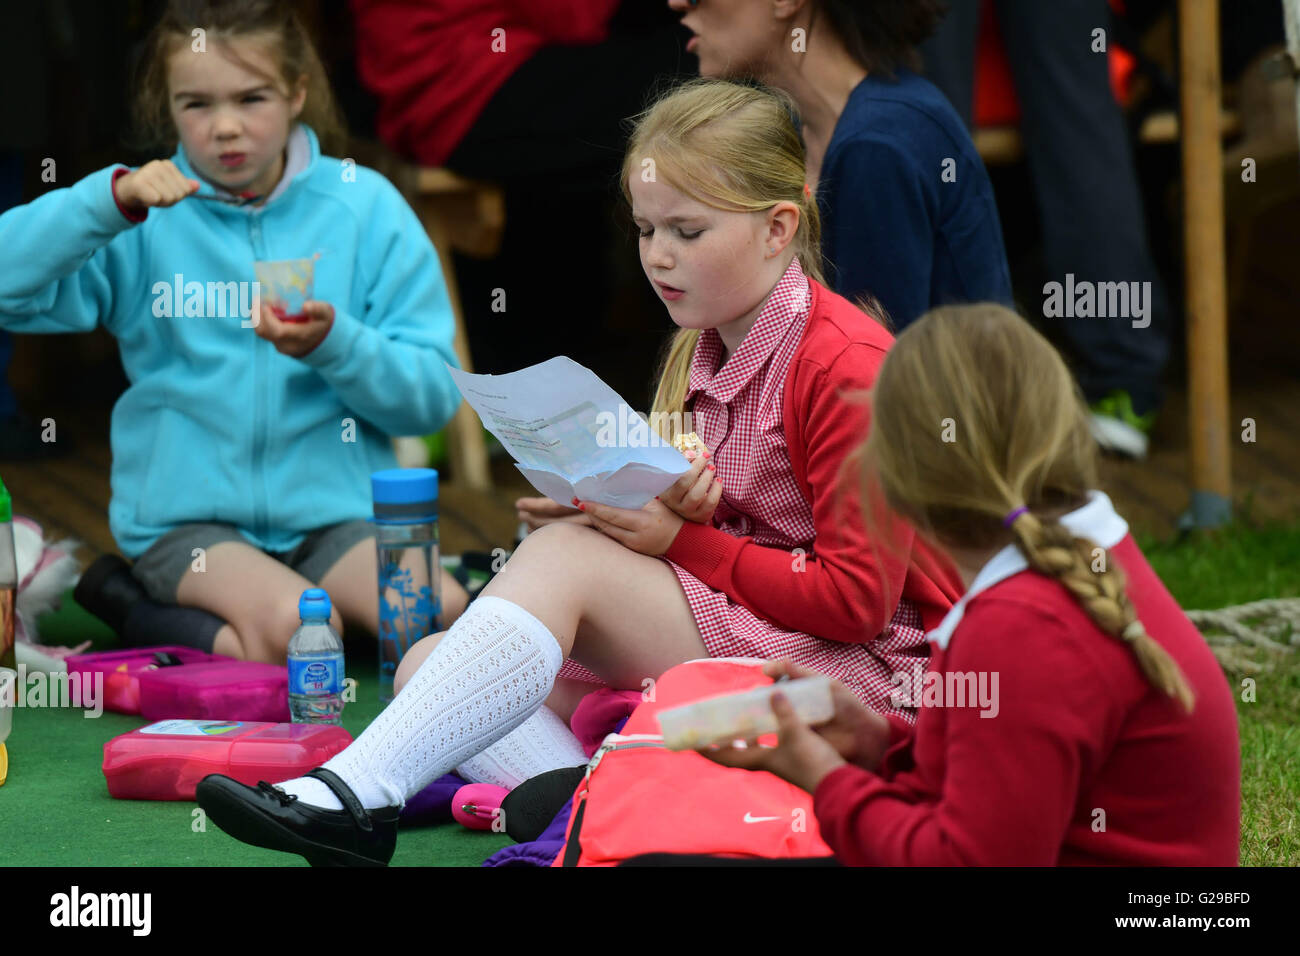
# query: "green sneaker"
x,y
1119,429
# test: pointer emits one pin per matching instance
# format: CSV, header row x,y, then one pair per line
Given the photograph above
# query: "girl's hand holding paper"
x,y
650,530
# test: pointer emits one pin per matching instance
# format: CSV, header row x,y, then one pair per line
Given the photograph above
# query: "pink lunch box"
x,y
167,759
220,690
122,670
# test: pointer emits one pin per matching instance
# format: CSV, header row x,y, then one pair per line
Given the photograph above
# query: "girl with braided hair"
x,y
1110,733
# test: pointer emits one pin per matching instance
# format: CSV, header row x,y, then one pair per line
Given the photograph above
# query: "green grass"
x,y
1236,565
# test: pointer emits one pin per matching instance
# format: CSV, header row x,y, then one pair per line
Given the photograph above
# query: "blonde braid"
x,y
1051,549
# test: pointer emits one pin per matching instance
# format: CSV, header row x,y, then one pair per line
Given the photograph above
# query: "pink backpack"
x,y
638,797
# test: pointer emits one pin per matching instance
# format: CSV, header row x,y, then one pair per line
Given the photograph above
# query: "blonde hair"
x,y
734,147
1018,437
224,20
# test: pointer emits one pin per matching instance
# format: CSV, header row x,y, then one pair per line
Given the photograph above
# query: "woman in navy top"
x,y
907,210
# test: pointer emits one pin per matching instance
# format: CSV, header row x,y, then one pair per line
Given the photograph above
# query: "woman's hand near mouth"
x,y
158,183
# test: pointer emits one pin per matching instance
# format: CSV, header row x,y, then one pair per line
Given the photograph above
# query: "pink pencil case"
x,y
122,670
223,689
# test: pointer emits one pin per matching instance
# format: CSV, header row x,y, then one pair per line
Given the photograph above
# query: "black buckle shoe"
x,y
268,817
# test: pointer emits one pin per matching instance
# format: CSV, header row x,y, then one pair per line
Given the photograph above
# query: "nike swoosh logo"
x,y
749,819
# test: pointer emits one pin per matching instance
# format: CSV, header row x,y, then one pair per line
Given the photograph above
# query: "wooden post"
x,y
1207,356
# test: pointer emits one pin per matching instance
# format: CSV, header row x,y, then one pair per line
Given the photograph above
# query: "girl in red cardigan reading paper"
x,y
746,555
1111,734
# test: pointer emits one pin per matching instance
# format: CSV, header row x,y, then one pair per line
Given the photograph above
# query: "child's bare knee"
x,y
411,661
267,639
454,603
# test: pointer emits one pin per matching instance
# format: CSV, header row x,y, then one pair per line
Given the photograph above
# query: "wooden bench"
x,y
1001,145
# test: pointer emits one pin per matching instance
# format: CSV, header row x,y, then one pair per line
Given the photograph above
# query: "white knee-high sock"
x,y
542,742
490,673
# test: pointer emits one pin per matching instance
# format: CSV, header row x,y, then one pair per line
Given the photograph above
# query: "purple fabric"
x,y
543,850
432,804
540,852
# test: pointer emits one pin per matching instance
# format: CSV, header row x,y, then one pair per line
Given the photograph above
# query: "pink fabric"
x,y
598,714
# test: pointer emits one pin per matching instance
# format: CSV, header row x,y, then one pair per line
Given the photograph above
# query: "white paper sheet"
x,y
571,435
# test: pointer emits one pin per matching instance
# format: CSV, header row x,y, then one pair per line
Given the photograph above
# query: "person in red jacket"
x,y
1072,714
752,552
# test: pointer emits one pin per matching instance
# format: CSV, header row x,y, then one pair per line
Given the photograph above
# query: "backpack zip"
x,y
572,844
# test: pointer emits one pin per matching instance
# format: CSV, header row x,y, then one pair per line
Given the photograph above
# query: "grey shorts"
x,y
160,569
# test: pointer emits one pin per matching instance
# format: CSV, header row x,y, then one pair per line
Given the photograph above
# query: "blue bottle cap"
x,y
405,494
314,605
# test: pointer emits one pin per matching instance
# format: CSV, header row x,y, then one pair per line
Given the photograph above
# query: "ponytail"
x,y
675,379
1051,549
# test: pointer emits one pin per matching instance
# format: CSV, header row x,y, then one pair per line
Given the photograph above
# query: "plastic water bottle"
x,y
410,569
8,580
315,664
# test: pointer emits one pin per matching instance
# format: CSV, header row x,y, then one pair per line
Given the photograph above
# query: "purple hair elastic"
x,y
1010,519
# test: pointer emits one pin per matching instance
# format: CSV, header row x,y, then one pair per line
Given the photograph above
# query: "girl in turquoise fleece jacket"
x,y
235,417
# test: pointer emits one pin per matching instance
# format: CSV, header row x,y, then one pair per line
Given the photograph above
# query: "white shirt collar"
x,y
297,156
1097,521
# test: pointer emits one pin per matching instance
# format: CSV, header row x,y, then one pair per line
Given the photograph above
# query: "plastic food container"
x,y
220,690
122,670
286,284
716,720
166,760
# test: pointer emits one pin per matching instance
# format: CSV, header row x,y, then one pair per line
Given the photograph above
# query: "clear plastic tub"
x,y
166,760
286,285
722,719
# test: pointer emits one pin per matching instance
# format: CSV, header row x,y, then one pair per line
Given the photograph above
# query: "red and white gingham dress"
x,y
737,413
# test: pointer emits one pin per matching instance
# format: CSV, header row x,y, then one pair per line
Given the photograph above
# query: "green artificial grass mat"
x,y
55,809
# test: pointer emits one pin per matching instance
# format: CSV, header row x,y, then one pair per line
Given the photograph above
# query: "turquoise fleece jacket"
x,y
216,424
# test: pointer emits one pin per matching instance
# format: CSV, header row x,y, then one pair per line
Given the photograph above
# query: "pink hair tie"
x,y
807,190
1010,519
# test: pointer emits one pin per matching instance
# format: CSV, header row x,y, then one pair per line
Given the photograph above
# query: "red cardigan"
x,y
849,588
1078,733
433,66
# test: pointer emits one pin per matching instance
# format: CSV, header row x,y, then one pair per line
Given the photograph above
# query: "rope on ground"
x,y
1236,634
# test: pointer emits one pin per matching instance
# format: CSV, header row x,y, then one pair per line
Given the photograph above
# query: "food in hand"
x,y
688,442
744,715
